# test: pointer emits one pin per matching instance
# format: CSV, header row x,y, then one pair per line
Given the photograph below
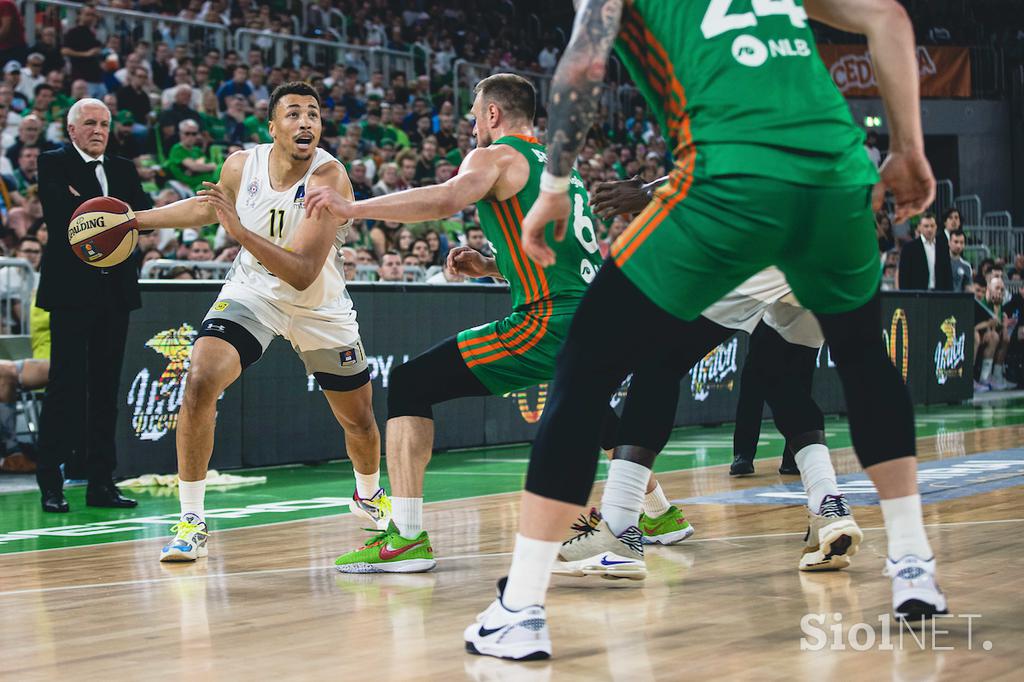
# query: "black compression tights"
x,y
649,342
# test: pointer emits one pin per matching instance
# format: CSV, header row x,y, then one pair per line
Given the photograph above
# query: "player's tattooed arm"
x,y
578,80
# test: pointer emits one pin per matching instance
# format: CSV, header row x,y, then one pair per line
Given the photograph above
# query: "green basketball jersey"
x,y
559,287
738,88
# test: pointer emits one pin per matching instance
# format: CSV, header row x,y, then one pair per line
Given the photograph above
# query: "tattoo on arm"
x,y
578,80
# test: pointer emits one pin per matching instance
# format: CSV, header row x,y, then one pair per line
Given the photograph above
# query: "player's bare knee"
x,y
202,387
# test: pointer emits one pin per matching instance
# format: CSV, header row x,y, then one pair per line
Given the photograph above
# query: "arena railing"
x,y
969,207
163,266
943,197
323,53
997,219
134,24
17,281
998,242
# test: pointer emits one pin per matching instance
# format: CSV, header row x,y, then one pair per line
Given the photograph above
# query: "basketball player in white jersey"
x,y
286,281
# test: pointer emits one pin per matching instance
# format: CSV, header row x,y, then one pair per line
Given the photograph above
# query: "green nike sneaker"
x,y
667,529
389,552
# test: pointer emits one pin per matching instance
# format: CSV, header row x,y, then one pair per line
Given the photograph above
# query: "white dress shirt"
x,y
101,174
929,254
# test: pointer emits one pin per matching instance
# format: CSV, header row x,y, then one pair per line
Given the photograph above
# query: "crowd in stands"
x,y
180,108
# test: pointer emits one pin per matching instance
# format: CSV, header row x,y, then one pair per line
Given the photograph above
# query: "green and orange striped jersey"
x,y
738,88
578,257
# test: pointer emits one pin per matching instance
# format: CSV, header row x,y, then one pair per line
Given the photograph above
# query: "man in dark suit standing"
x,y
89,310
924,262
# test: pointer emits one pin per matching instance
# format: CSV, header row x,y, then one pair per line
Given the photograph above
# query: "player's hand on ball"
x,y
622,196
319,199
468,262
549,207
909,177
215,196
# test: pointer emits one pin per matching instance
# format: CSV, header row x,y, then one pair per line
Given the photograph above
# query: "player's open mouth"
x,y
304,141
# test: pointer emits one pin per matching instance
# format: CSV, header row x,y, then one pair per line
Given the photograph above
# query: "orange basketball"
x,y
103,232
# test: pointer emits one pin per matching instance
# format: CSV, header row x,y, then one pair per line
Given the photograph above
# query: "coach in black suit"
x,y
924,262
89,310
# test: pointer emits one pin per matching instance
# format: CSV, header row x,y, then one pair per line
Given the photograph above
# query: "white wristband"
x,y
553,183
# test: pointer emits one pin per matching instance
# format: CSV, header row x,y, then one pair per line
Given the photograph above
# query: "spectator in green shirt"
x,y
373,131
458,153
257,128
187,163
211,119
393,127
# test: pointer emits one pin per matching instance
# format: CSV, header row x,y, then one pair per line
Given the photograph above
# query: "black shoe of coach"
x,y
54,502
107,495
741,466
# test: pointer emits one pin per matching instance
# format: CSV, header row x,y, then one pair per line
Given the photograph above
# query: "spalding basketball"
x,y
103,232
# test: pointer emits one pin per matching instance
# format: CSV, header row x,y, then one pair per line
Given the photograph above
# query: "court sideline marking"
x,y
484,555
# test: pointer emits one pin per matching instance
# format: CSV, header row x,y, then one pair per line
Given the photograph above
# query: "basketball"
x,y
103,232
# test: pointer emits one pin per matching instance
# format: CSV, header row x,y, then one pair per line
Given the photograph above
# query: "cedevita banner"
x,y
944,71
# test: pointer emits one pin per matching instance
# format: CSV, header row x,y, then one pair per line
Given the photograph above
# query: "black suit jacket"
x,y
914,265
65,281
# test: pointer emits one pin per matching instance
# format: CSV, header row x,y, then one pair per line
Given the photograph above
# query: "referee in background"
x,y
89,310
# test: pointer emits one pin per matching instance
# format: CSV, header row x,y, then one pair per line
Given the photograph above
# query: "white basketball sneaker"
x,y
832,536
596,550
516,635
189,541
915,594
376,509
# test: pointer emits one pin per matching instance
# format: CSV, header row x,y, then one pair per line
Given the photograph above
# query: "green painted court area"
x,y
302,492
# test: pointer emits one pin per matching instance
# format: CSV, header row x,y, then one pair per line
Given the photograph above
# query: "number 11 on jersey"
x,y
276,223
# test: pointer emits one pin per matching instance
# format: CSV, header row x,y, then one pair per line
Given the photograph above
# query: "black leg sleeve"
x,y
880,410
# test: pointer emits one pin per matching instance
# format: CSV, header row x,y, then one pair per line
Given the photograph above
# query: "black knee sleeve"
x,y
248,346
877,402
438,375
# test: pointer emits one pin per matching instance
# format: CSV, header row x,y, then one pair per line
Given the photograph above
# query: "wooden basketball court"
x,y
726,604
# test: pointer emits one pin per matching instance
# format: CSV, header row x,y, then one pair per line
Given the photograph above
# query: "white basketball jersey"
x,y
275,215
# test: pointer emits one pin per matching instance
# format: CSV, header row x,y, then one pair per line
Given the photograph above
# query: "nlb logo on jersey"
x,y
300,197
949,353
715,371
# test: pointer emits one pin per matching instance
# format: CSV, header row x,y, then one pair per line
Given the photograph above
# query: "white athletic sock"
x,y
655,502
367,485
997,373
817,474
530,573
407,513
986,370
192,495
624,494
904,527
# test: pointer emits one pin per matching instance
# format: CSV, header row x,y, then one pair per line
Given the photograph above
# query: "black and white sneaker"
x,y
503,633
833,536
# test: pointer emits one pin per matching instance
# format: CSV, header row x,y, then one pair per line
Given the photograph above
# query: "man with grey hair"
x,y
180,110
186,162
89,310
